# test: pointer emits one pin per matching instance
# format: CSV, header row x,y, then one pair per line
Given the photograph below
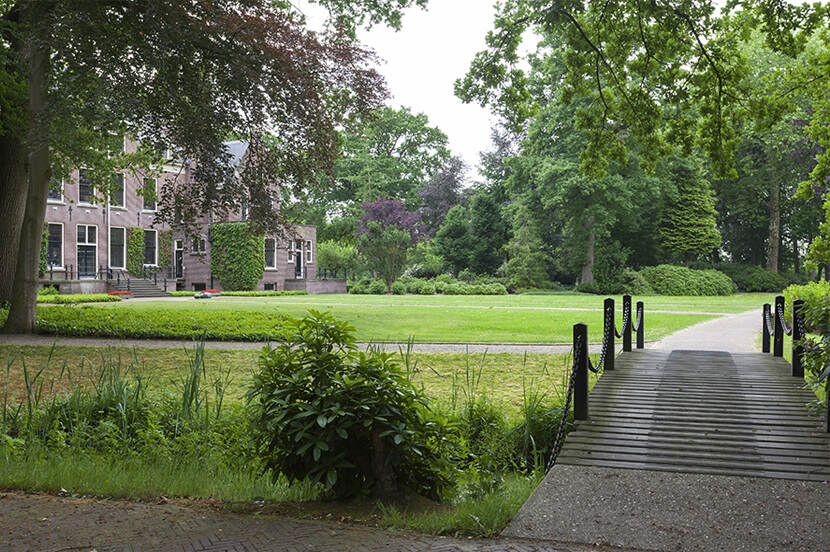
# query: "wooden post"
x,y
765,335
627,330
798,350
641,328
778,338
581,378
608,326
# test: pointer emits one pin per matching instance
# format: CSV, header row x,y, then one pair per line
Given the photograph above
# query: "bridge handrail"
x,y
578,381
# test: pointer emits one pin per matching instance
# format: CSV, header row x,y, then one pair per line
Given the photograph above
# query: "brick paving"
x,y
45,523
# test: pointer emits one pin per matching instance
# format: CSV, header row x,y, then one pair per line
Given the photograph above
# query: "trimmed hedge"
x,y
813,294
77,298
752,278
243,293
124,322
135,250
416,286
679,280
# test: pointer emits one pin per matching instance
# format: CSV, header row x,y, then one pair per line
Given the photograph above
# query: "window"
x,y
117,247
308,254
269,287
54,254
85,191
201,286
291,251
150,247
118,190
199,245
149,194
87,254
55,190
270,253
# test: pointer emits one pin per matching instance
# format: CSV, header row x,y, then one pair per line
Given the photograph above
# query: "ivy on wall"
x,y
165,248
44,253
135,250
237,256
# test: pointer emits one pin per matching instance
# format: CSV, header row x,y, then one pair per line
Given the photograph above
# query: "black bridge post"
x,y
778,338
798,350
581,377
641,328
608,326
765,315
627,330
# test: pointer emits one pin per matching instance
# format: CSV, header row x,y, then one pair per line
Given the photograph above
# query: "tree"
x,y
440,194
170,74
454,239
687,226
386,233
488,232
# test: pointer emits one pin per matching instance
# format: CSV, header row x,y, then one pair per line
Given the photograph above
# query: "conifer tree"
x,y
687,226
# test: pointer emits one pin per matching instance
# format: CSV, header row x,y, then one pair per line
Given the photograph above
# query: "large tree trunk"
x,y
587,275
12,203
774,239
24,292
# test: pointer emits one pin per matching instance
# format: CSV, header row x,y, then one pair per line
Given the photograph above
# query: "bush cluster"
x,y
815,296
179,324
679,280
76,298
752,278
276,293
443,284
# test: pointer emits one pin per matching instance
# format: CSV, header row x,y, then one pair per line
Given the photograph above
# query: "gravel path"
x,y
734,333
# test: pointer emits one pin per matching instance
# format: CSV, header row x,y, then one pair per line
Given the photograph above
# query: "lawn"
x,y
453,319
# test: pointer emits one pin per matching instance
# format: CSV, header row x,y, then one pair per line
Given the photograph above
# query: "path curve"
x,y
733,333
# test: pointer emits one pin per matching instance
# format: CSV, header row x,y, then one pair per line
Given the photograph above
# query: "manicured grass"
x,y
468,323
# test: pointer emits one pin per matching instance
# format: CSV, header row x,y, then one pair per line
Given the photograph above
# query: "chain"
x,y
557,444
768,322
802,328
639,324
606,332
626,314
780,312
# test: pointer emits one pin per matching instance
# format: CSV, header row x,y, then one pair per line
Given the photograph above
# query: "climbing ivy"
x,y
237,255
165,248
135,250
44,253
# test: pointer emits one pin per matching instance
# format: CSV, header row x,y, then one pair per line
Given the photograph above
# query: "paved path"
x,y
515,348
734,333
42,523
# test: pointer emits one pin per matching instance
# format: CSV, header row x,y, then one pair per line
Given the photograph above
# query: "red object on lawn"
x,y
212,291
119,293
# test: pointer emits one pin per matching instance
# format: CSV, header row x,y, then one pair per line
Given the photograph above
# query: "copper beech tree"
x,y
186,74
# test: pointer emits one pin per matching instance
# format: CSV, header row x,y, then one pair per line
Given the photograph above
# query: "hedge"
x,y
679,280
124,322
77,298
752,278
813,294
135,250
416,286
243,293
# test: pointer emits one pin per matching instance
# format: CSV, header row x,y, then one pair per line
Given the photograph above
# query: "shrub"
x,y
237,255
444,279
269,293
426,289
399,288
679,280
496,289
752,278
413,285
352,420
77,298
813,294
587,287
135,250
634,283
47,291
376,287
440,287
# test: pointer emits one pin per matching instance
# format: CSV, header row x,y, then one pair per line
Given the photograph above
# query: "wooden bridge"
x,y
708,412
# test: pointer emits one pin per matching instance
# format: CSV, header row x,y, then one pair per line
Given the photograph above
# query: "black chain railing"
x,y
774,327
577,394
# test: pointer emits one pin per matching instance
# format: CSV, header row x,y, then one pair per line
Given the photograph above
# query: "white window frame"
x,y
196,246
92,190
86,243
156,234
155,195
62,266
290,251
274,266
59,201
123,204
309,256
124,246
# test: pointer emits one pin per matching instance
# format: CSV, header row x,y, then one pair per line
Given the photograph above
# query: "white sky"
x,y
422,61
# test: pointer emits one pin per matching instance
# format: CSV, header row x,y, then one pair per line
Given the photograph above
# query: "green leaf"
x,y
331,478
322,420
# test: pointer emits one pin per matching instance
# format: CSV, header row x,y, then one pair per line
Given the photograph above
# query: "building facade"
x,y
88,237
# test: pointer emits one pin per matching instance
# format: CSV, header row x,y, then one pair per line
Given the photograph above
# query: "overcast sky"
x,y
423,60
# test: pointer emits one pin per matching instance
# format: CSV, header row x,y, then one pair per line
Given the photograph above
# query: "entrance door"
x,y
298,259
179,259
87,251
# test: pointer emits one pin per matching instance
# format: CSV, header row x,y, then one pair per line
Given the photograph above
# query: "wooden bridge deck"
x,y
701,412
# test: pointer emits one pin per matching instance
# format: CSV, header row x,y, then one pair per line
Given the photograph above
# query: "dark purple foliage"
x,y
441,194
390,212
